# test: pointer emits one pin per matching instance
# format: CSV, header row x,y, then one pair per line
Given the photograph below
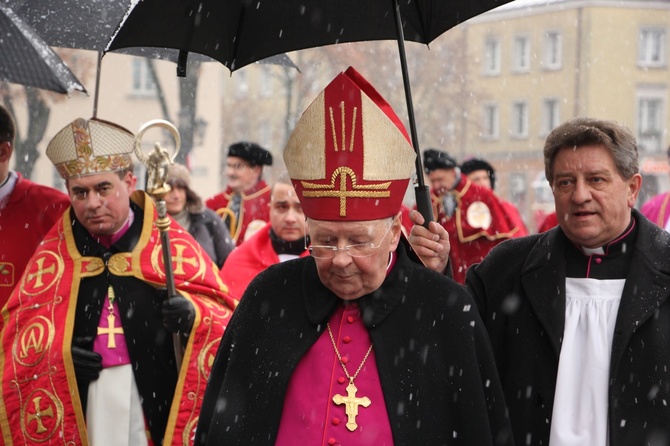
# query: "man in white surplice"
x,y
579,316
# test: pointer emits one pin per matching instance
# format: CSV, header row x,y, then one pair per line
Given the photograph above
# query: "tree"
x,y
38,104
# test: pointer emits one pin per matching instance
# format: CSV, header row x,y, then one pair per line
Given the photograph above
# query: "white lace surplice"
x,y
580,405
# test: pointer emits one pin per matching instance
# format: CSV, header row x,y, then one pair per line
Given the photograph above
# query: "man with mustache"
x,y
243,205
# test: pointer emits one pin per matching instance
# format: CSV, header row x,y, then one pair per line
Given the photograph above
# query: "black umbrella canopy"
x,y
239,32
26,59
88,25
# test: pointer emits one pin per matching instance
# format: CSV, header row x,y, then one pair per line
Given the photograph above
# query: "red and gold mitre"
x,y
88,147
349,157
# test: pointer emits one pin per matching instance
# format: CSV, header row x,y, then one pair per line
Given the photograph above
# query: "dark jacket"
x,y
520,291
208,229
433,356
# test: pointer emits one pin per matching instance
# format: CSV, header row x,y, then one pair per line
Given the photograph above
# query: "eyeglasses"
x,y
237,166
357,250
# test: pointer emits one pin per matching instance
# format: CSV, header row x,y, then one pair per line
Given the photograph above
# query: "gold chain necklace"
x,y
110,330
350,401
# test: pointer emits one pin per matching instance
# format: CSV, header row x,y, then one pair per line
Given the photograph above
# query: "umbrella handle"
x,y
423,203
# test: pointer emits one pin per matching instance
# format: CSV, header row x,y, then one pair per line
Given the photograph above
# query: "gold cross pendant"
x,y
111,331
351,403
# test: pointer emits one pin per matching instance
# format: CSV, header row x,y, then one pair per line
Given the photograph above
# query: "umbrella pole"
x,y
421,191
97,86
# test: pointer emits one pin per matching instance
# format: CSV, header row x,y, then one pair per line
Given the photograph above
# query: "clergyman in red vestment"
x,y
87,348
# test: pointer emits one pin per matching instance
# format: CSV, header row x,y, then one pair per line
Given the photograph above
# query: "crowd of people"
x,y
319,309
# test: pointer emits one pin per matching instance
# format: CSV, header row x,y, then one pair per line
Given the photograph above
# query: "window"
x,y
521,56
519,119
143,82
652,47
491,121
492,56
550,115
650,111
552,51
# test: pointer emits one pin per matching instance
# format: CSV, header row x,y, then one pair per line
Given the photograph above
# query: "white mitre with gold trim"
x,y
88,147
349,157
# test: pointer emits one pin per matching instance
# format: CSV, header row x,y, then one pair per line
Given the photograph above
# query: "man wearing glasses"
x,y
244,203
357,344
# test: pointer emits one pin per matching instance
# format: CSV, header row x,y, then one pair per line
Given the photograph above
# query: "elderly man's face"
x,y
286,216
442,180
352,277
101,201
241,175
593,201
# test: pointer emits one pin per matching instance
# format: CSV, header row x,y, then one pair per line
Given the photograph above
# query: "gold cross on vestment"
x,y
41,270
111,331
39,414
179,260
351,404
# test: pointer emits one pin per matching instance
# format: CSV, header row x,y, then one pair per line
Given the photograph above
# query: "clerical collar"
x,y
611,261
7,187
109,240
280,246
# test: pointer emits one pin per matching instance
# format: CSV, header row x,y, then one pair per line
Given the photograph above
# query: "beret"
x,y
434,159
250,152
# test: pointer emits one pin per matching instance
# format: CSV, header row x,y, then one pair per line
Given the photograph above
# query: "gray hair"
x,y
581,131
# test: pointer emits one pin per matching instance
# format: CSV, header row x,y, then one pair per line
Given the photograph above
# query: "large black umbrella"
x,y
26,59
239,32
88,24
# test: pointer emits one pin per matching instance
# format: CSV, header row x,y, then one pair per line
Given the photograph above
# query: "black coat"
x,y
433,356
211,233
520,291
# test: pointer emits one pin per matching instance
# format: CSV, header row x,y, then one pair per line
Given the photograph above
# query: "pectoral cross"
x,y
351,404
111,331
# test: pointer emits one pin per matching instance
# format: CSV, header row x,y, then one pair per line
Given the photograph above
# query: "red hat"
x,y
349,156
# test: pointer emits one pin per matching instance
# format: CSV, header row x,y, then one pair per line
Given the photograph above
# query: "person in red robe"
x,y
482,173
550,221
92,350
657,209
244,203
27,211
472,215
280,240
356,344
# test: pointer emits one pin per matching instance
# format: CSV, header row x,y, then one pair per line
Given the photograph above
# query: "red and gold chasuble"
x,y
39,401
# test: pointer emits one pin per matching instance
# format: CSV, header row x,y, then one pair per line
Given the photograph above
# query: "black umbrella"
x,y
26,59
87,24
239,32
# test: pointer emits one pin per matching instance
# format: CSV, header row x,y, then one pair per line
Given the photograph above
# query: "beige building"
x,y
537,63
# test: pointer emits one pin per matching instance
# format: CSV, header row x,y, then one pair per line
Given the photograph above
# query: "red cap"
x,y
349,156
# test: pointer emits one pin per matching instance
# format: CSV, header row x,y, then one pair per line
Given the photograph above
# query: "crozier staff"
x,y
86,349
